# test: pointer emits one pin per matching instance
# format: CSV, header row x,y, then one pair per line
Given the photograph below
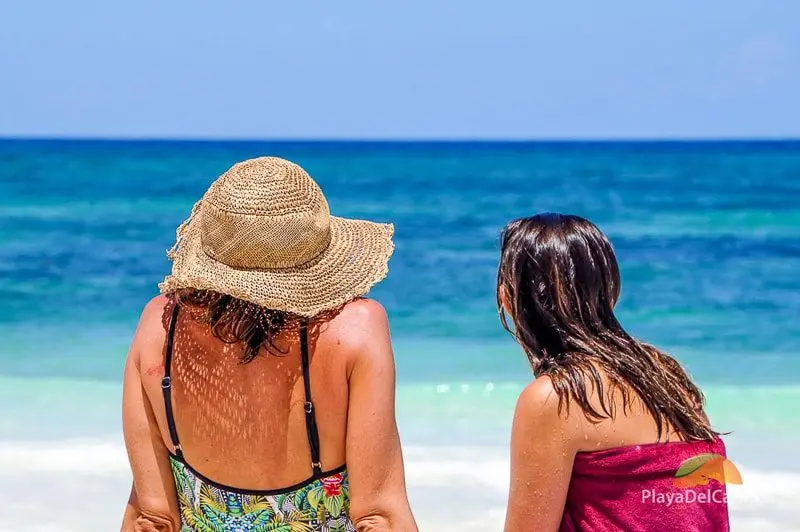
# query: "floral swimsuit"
x,y
320,503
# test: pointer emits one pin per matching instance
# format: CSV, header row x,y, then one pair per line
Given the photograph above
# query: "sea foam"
x,y
82,485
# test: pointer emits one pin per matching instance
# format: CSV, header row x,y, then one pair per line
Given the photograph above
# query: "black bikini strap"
x,y
166,383
311,422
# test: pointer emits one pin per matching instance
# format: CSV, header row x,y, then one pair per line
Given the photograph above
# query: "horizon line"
x,y
403,140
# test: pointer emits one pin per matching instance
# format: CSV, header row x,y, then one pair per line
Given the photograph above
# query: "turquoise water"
x,y
708,236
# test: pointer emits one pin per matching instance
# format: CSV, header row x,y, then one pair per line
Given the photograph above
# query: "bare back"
x,y
632,423
244,425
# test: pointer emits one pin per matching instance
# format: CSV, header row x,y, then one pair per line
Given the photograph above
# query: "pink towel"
x,y
636,488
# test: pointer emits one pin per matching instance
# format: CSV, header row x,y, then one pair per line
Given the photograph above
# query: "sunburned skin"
x,y
243,425
155,370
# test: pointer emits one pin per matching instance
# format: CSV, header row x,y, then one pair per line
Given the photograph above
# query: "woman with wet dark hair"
x,y
600,436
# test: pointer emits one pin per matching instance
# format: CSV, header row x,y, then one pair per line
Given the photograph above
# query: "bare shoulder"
x,y
359,321
149,338
360,330
364,311
539,401
538,411
154,309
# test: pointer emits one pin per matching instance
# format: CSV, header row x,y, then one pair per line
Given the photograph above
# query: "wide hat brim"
x,y
355,260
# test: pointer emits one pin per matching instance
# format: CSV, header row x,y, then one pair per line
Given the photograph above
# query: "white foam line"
x,y
770,495
84,457
778,490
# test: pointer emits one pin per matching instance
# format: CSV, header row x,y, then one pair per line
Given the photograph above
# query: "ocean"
x,y
707,234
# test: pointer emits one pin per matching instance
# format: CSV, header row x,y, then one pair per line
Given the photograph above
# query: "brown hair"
x,y
233,320
559,278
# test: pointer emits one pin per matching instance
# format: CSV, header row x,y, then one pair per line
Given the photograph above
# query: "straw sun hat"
x,y
263,233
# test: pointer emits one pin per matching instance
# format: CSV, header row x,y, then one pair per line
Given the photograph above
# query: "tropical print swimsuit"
x,y
320,503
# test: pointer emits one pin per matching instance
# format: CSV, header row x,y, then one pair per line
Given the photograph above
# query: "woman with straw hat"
x,y
260,371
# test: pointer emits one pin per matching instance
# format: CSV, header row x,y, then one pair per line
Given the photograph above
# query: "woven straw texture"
x,y
263,233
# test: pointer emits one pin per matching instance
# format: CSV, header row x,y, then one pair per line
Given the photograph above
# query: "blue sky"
x,y
412,69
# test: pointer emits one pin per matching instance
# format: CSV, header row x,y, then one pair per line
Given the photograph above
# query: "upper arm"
x,y
375,461
154,489
542,454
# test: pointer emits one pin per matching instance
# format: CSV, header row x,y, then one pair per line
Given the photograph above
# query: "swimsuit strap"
x,y
308,406
166,383
311,422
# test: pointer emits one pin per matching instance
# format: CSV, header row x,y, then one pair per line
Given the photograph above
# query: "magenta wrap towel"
x,y
634,489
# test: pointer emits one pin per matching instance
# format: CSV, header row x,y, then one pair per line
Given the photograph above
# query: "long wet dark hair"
x,y
560,281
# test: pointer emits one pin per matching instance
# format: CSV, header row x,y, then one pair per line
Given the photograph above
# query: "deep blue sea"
x,y
707,234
